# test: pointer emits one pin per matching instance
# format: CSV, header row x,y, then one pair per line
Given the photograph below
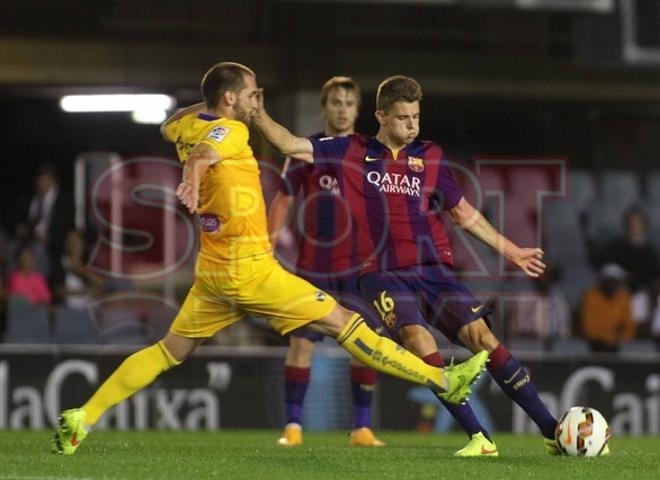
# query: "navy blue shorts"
x,y
422,295
345,290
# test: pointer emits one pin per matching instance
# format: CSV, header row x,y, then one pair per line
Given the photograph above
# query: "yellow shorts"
x,y
224,292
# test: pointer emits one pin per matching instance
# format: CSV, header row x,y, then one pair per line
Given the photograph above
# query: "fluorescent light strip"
x,y
149,116
116,103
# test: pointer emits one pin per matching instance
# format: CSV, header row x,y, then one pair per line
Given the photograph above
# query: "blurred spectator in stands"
x,y
26,281
74,283
638,258
633,251
606,316
654,323
3,308
4,247
49,214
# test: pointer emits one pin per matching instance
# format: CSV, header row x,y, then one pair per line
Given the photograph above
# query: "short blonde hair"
x,y
340,82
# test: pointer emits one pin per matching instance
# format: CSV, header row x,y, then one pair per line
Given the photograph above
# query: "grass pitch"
x,y
254,455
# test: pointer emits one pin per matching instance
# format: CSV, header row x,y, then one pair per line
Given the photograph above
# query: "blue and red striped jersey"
x,y
327,235
395,202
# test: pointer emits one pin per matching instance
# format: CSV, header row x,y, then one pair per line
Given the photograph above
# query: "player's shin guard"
x,y
135,373
385,356
512,377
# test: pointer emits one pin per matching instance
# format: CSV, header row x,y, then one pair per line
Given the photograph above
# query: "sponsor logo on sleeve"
x,y
218,133
209,223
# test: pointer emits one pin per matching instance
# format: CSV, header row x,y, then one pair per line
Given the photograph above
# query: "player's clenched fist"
x,y
188,195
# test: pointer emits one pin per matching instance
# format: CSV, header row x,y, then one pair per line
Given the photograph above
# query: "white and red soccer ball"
x,y
582,432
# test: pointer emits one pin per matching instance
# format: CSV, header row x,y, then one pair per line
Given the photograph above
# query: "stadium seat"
x,y
604,219
652,184
26,323
74,326
575,280
619,190
620,186
560,229
644,346
159,320
526,345
122,325
652,209
581,189
525,180
570,345
126,333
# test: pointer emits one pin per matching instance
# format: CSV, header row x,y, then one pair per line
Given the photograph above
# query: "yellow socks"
x,y
384,355
135,373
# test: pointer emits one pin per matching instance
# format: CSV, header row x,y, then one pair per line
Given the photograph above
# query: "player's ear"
x,y
229,97
380,116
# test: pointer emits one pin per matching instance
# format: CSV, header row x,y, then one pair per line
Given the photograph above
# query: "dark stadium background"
x,y
499,80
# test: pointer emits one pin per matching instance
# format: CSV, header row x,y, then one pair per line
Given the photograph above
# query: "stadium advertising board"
x,y
215,390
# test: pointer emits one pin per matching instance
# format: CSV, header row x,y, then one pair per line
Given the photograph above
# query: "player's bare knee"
x,y
333,323
418,340
180,347
301,345
476,336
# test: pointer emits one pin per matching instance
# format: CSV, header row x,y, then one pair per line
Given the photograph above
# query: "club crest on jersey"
x,y
209,223
416,164
218,133
320,296
389,319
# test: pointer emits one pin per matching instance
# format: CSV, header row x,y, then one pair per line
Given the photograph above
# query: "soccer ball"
x,y
582,432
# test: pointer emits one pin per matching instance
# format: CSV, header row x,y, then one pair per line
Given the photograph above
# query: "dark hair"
x,y
397,89
340,82
23,247
48,169
222,77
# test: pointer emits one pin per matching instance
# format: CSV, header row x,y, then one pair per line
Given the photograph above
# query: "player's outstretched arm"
x,y
277,215
199,161
192,109
286,142
529,260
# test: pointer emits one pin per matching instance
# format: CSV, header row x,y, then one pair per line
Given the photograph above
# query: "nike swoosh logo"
x,y
475,309
509,380
371,159
485,451
74,440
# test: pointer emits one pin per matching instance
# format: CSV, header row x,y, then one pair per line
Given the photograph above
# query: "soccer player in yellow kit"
x,y
236,273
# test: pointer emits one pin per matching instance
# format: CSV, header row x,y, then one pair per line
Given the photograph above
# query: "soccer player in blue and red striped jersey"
x,y
396,184
327,258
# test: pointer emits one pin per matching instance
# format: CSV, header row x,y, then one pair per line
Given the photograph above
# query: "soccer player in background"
x,y
236,273
327,258
396,185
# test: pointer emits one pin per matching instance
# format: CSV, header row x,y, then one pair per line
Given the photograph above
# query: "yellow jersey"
x,y
231,208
